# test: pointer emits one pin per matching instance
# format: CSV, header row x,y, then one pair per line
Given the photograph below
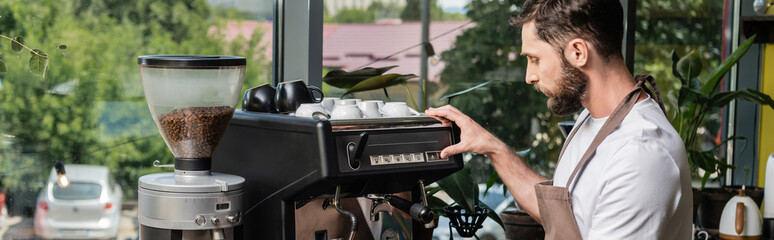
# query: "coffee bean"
x,y
194,132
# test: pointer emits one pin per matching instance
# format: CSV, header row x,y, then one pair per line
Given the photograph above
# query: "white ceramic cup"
x,y
341,102
329,102
370,109
346,111
362,103
308,109
397,109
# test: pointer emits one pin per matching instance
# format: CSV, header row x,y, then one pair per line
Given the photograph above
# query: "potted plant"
x,y
467,213
367,79
696,99
516,224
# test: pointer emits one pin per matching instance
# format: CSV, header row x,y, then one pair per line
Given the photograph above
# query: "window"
x,y
685,27
77,191
86,105
80,99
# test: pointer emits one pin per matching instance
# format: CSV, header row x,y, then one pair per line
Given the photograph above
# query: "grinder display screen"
x,y
222,206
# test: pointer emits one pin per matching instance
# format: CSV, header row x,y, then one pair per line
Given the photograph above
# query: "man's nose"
x,y
532,77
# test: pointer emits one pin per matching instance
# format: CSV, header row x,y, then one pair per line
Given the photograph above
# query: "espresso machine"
x,y
336,179
192,100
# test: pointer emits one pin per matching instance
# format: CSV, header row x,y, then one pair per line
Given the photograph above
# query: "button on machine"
x,y
200,220
434,156
391,159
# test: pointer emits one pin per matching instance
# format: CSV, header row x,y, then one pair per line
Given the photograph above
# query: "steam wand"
x,y
352,217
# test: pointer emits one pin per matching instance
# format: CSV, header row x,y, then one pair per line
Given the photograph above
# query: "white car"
x,y
88,208
490,230
3,209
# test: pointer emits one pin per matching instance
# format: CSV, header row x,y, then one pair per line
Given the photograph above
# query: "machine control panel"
x,y
405,158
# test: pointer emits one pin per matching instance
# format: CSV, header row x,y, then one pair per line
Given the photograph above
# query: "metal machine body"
x,y
289,162
190,205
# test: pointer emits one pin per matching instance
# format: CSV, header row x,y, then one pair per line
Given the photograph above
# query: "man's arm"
x,y
519,178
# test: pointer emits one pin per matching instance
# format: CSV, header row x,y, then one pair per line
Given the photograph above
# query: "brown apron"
x,y
555,203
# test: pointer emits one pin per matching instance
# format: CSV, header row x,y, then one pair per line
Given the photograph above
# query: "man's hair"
x,y
559,21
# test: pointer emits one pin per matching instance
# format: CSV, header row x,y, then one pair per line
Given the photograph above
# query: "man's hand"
x,y
473,137
512,170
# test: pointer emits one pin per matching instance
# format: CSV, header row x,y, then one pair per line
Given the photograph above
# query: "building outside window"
x,y
85,105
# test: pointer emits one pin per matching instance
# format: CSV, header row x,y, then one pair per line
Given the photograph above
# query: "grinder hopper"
x,y
192,100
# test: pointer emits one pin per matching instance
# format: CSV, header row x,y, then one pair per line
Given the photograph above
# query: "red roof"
x,y
351,46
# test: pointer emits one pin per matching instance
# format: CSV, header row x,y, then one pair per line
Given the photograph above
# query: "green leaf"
x,y
38,52
734,138
386,95
705,178
345,82
493,215
467,90
437,205
726,65
460,188
411,96
38,62
2,67
722,99
430,191
17,46
491,181
689,95
378,82
675,59
690,65
342,79
694,83
369,71
61,47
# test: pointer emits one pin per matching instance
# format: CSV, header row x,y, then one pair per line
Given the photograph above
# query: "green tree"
x,y
354,15
488,52
89,106
509,108
385,10
413,11
683,26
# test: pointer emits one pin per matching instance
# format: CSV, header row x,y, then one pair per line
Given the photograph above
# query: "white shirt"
x,y
637,185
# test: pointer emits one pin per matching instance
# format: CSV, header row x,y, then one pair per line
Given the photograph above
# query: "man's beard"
x,y
570,91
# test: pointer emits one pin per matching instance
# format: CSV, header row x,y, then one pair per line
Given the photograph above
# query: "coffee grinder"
x,y
192,100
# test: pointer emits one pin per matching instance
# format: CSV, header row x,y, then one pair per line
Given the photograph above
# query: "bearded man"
x,y
622,173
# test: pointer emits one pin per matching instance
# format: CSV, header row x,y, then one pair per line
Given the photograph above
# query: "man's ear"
x,y
577,52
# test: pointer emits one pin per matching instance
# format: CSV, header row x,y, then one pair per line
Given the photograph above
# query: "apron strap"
x,y
639,78
610,125
569,137
657,94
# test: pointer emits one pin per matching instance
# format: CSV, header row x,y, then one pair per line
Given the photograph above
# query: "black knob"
x,y
417,211
355,150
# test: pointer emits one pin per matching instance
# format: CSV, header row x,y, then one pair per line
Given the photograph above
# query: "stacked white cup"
x,y
371,108
307,110
346,109
397,109
355,108
329,102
